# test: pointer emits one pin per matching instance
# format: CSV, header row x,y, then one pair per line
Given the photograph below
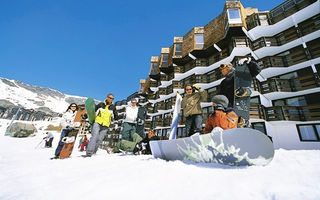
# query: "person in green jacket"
x,y
192,110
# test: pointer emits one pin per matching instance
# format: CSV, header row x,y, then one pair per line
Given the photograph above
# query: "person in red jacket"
x,y
84,143
222,116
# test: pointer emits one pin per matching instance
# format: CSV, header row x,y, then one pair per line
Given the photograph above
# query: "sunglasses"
x,y
110,98
189,89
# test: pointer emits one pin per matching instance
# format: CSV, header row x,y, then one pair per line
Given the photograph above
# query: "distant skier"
x,y
226,87
223,116
104,113
68,124
49,138
192,110
130,122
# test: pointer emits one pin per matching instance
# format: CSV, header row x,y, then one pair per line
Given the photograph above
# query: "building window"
x,y
199,41
263,20
309,132
154,68
164,60
178,50
260,126
234,16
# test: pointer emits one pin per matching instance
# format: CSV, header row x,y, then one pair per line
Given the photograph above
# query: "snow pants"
x,y
98,134
49,142
128,130
60,144
194,124
126,145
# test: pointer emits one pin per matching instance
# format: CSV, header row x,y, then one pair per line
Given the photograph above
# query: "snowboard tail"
x,y
69,142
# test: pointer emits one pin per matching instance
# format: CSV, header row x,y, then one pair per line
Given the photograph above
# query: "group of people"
x,y
223,115
132,134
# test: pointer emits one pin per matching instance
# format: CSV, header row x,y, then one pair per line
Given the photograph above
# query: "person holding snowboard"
x,y
223,116
130,122
105,111
226,87
68,124
49,138
192,110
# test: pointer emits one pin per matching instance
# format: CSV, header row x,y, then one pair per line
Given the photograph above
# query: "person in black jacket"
x,y
143,147
227,85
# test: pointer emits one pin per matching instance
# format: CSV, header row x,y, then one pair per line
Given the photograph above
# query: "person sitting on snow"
x,y
143,147
222,116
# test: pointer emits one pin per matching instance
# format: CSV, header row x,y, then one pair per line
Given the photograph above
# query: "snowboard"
x,y
242,85
69,141
234,147
90,109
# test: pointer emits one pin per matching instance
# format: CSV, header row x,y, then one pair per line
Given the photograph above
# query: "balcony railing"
x,y
273,61
288,8
294,113
288,85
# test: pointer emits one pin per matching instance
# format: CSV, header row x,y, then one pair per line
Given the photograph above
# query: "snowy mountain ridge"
x,y
17,93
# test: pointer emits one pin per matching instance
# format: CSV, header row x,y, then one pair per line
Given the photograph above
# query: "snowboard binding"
x,y
243,92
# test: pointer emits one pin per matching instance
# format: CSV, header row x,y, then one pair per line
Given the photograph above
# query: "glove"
x,y
85,116
243,60
195,87
77,124
217,130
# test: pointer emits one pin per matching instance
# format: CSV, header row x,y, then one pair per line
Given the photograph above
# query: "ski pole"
x,y
39,144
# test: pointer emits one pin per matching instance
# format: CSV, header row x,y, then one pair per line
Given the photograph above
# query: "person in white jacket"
x,y
130,122
68,124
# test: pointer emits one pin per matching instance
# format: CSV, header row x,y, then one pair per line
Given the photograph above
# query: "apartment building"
x,y
285,41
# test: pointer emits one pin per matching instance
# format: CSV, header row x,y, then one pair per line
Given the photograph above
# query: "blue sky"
x,y
92,48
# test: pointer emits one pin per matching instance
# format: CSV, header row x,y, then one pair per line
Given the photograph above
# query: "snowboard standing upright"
x,y
90,108
242,85
70,139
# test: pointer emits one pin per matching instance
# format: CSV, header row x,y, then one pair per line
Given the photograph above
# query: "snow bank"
x,y
28,173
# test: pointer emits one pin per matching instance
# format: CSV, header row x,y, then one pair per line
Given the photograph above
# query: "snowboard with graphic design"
x,y
234,147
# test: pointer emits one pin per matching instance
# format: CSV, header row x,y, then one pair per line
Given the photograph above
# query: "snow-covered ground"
x,y
27,172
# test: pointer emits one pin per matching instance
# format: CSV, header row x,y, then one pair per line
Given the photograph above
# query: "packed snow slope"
x,y
28,173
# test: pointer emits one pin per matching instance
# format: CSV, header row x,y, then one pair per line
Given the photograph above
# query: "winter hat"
x,y
220,100
134,99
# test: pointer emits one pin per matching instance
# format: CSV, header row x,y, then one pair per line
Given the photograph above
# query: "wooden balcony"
x,y
294,113
289,85
272,61
287,8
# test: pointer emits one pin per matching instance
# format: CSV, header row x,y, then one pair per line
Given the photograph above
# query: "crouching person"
x,y
223,116
125,145
143,147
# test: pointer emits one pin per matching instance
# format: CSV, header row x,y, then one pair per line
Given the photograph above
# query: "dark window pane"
x,y
307,133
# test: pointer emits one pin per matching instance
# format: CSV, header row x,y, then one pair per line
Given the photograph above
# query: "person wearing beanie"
x,y
222,115
226,87
192,110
